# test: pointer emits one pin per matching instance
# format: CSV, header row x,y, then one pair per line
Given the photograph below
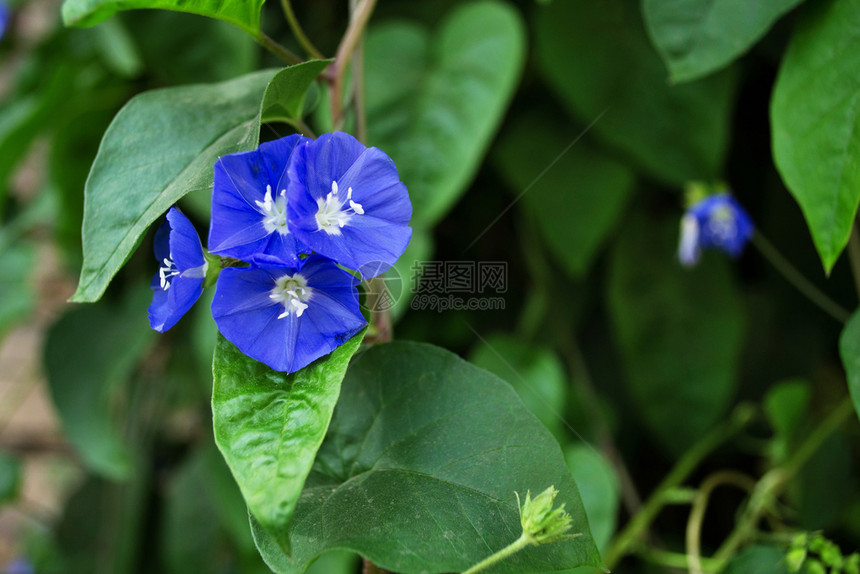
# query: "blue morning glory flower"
x,y
718,221
287,317
346,202
249,204
179,281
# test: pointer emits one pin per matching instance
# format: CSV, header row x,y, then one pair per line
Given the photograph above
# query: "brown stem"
x,y
357,23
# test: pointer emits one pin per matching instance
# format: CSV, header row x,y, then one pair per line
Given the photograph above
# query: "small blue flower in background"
x,y
182,269
249,204
5,18
717,221
287,317
346,202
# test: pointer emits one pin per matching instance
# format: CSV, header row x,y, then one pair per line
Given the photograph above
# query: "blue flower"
x,y
179,281
718,221
347,202
287,317
249,204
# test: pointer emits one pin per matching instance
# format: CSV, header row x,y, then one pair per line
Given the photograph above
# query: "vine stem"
x,y
277,49
700,504
509,550
796,278
358,21
770,485
298,32
632,532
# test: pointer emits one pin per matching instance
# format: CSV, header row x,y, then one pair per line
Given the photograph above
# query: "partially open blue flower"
x,y
249,203
287,317
718,221
347,202
182,269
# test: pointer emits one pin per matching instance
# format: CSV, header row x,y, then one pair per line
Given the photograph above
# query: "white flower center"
x,y
274,211
293,293
332,216
166,273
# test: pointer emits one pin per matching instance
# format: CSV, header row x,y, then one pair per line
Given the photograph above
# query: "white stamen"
x,y
688,247
166,272
274,211
293,293
331,215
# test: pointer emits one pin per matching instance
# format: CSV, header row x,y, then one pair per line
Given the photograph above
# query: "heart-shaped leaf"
x,y
269,426
434,100
419,469
816,125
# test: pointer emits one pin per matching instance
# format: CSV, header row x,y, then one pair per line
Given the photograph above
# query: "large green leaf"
x,y
435,100
697,37
815,124
599,489
419,469
575,195
89,353
269,426
598,58
849,350
760,559
161,146
243,13
680,332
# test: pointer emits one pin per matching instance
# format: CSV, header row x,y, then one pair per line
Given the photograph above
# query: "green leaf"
x,y
849,351
10,478
434,101
599,489
698,37
243,13
815,127
535,373
159,147
90,353
680,332
576,200
419,469
285,95
675,133
269,426
17,299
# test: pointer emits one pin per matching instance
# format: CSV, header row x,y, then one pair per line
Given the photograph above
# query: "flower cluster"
x,y
717,221
294,212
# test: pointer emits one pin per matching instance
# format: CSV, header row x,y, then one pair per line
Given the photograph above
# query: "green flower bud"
x,y
541,522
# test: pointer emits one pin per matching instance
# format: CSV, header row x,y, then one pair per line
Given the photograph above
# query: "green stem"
x,y
697,512
665,558
505,552
298,32
796,278
634,529
772,483
277,49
